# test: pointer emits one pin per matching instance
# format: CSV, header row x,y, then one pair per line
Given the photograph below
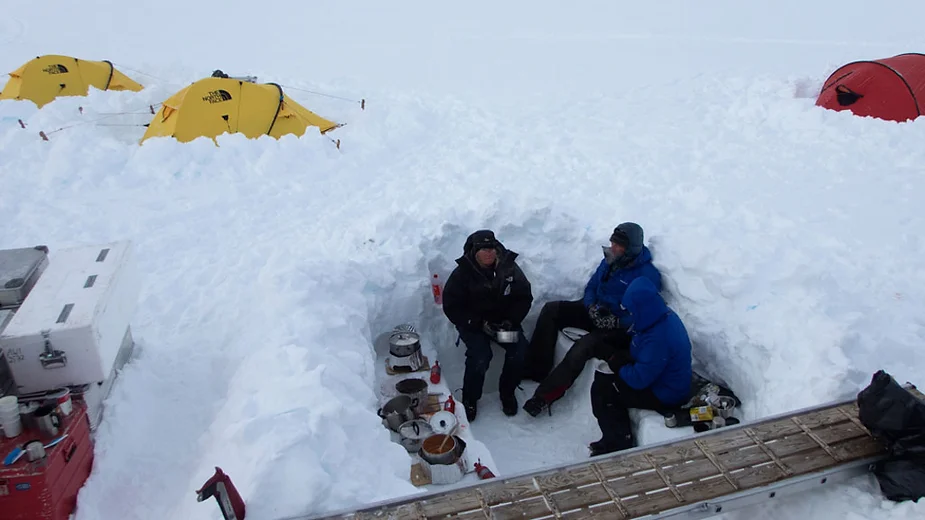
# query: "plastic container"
x,y
9,416
62,397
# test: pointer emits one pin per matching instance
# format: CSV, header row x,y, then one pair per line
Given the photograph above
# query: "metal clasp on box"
x,y
51,358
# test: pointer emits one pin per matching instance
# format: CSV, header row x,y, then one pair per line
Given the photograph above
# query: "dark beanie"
x,y
630,236
481,239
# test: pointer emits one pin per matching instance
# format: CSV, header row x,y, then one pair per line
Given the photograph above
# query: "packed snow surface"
x,y
789,236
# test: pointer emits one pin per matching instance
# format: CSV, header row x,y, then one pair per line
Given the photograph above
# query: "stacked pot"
x,y
431,437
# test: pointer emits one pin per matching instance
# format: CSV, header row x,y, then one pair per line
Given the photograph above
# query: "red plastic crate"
x,y
47,489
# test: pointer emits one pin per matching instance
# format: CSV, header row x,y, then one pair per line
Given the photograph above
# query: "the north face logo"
x,y
55,69
217,96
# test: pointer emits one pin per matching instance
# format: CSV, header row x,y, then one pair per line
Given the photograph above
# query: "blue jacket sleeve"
x,y
656,277
591,287
651,362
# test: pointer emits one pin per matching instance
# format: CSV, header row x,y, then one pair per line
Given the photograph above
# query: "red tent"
x,y
891,89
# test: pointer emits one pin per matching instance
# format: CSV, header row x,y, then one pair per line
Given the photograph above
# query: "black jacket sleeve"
x,y
456,302
521,297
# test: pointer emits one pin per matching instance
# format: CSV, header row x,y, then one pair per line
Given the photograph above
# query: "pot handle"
x,y
460,445
414,402
417,429
380,414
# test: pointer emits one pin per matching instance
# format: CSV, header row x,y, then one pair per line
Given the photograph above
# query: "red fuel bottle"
x,y
483,471
436,289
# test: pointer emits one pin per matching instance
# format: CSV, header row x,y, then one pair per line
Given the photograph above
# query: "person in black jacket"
x,y
487,290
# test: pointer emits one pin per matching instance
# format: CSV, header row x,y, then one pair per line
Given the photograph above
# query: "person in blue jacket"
x,y
599,313
654,374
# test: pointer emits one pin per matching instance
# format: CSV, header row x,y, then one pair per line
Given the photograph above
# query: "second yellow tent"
x,y
213,106
45,78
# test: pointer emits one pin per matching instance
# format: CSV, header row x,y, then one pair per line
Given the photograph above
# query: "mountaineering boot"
x,y
471,410
597,447
509,403
535,405
601,447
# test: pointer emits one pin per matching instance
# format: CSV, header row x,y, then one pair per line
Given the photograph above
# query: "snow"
x,y
788,236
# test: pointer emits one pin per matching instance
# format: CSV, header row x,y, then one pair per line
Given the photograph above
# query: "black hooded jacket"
x,y
473,295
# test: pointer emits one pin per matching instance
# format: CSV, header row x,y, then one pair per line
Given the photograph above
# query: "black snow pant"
x,y
478,359
598,343
611,399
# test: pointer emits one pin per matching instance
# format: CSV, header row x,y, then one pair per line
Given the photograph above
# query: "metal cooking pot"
x,y
413,434
403,343
416,389
724,406
398,411
506,336
435,451
501,335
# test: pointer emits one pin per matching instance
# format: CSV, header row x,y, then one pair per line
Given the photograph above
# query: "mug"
x,y
47,420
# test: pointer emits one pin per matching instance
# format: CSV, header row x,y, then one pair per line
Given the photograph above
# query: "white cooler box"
x,y
74,323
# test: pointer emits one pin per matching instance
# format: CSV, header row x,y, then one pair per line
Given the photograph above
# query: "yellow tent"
x,y
213,106
46,77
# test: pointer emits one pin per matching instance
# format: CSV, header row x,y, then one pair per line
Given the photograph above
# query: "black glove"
x,y
489,328
602,317
474,324
619,359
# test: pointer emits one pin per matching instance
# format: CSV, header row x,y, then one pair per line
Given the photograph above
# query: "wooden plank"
x,y
503,491
706,489
859,448
604,512
614,496
852,416
690,471
719,466
743,458
550,503
450,503
825,417
564,479
652,503
756,476
530,508
636,484
473,515
671,454
726,441
623,465
812,435
769,452
483,505
665,479
569,499
841,432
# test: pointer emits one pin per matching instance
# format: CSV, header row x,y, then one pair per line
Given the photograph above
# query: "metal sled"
x,y
693,477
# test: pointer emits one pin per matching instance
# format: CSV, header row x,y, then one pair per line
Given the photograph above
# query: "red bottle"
x,y
435,373
435,288
450,404
483,471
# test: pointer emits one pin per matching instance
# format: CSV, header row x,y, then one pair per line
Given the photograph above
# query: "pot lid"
x,y
443,422
415,429
404,339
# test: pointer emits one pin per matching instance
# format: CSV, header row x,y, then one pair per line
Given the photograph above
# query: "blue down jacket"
x,y
608,283
661,348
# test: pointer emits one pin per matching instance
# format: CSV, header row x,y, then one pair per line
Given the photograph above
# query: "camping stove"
x,y
405,348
